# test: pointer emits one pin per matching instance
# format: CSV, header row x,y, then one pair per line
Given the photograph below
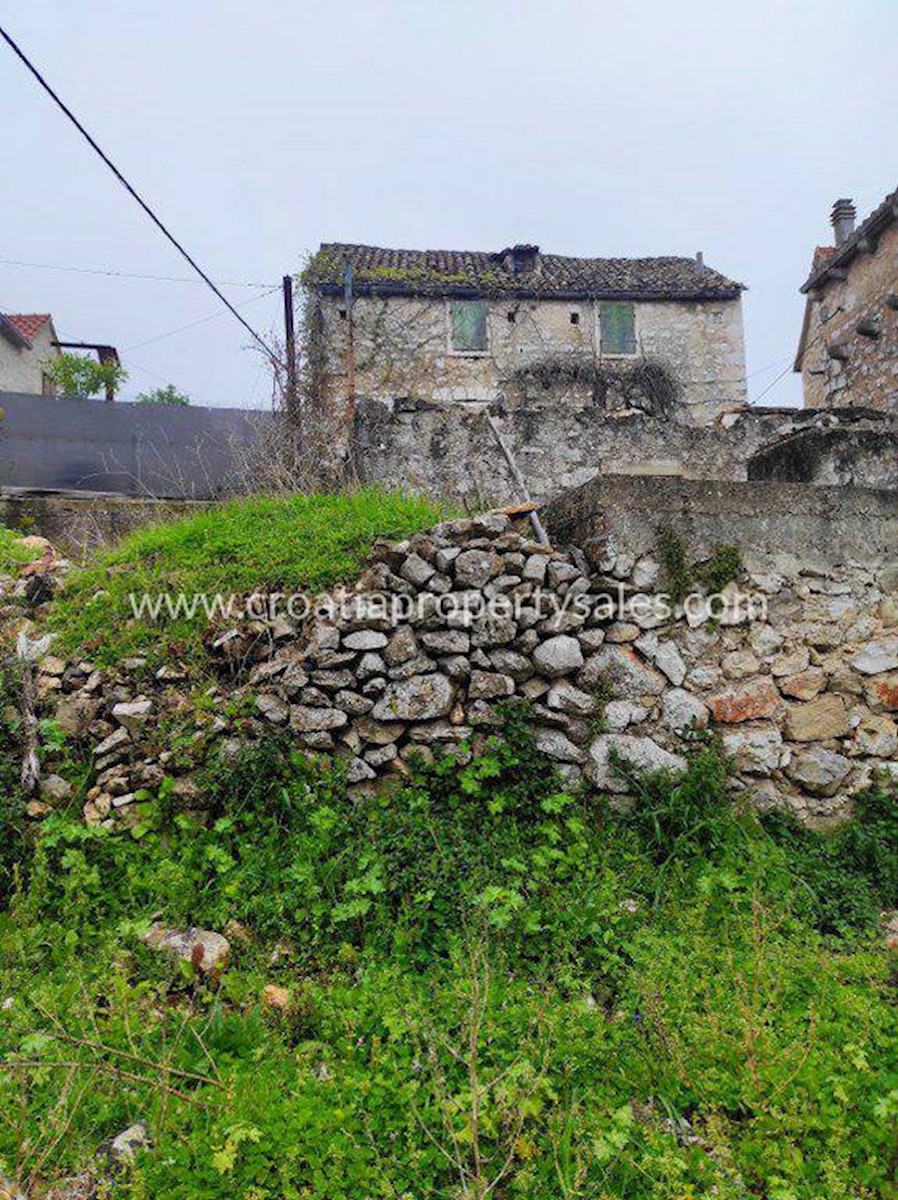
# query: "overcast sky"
x,y
258,130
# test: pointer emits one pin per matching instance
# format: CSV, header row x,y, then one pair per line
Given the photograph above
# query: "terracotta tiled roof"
x,y
878,220
29,325
380,271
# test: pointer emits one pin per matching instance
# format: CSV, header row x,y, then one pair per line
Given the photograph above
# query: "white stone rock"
x,y
132,714
273,708
307,718
125,1147
554,744
755,750
629,677
818,771
421,698
740,664
417,570
365,639
618,714
205,949
665,655
641,753
490,685
566,698
535,568
645,574
475,568
681,709
877,657
558,656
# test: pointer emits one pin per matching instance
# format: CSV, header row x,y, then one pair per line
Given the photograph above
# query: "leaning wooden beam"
x,y
541,536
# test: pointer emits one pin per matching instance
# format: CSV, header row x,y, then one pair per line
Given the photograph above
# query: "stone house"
x,y
27,341
848,349
520,327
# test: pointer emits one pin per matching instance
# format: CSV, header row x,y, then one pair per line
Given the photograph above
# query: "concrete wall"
x,y
88,445
866,457
402,348
869,374
77,525
21,369
777,525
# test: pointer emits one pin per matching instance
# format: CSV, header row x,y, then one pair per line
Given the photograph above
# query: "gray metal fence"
x,y
51,443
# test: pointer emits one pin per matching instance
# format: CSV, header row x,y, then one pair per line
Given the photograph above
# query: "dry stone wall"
x,y
794,665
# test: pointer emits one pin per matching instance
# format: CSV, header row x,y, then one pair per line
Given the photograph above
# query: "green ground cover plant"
x,y
490,992
492,985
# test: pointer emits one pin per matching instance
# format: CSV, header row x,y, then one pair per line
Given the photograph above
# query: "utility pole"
x,y
290,397
350,343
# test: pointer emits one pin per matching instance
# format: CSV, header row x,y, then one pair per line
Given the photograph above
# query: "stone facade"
x,y
592,330
403,352
848,353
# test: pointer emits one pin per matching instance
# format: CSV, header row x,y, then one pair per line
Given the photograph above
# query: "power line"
x,y
131,190
11,262
190,324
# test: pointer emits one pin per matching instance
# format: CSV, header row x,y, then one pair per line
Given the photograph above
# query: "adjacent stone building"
x,y
848,350
663,335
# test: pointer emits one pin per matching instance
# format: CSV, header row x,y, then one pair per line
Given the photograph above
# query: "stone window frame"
x,y
614,354
451,349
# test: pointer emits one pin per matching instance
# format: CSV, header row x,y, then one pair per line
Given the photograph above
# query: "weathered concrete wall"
x,y
403,349
776,525
77,525
868,376
863,457
451,452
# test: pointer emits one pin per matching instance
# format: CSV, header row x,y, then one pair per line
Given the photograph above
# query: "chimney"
x,y
524,258
842,219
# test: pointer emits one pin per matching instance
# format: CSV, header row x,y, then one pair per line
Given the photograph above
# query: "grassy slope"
x,y
297,542
12,553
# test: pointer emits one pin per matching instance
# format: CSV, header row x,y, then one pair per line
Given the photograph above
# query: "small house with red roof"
x,y
27,341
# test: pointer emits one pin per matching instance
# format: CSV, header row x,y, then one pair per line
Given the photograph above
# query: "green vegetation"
x,y
164,395
495,988
12,553
490,984
265,544
77,375
681,575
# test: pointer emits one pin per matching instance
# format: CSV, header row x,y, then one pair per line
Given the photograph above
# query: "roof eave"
x,y
849,250
461,292
13,334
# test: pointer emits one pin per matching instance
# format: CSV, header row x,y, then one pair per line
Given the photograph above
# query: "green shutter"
x,y
618,324
469,325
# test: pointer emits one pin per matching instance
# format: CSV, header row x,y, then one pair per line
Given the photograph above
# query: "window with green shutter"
x,y
618,327
469,331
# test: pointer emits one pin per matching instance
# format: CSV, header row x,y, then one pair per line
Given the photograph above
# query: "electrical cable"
x,y
133,192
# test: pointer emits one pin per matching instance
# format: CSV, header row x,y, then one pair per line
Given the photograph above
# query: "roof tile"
x,y
380,271
29,325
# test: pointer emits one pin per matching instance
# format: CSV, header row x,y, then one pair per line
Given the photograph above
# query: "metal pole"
x,y
538,528
290,339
